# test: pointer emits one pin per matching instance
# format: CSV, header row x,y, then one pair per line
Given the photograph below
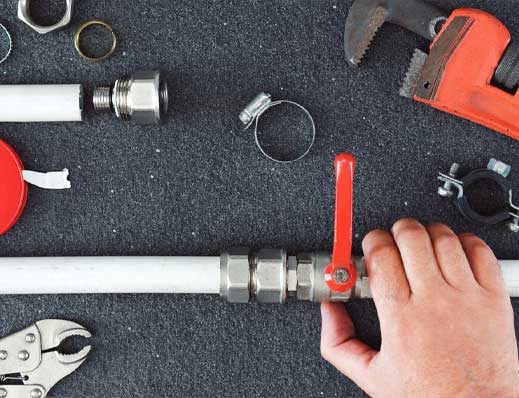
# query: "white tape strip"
x,y
50,180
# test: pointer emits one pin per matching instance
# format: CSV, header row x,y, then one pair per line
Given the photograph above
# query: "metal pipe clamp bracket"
x,y
257,107
456,187
24,14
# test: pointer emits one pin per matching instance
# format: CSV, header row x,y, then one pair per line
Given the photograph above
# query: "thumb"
x,y
341,348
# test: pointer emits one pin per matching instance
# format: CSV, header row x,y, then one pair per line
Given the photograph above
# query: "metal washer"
x,y
81,30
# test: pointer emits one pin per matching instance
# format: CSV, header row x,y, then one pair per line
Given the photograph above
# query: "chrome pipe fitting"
x,y
270,276
142,98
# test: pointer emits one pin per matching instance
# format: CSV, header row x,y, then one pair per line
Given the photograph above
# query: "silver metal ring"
x,y
257,107
9,42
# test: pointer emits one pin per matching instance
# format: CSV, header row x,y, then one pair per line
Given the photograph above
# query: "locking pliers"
x,y
30,364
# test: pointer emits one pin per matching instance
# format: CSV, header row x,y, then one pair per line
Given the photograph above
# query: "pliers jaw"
x,y
30,364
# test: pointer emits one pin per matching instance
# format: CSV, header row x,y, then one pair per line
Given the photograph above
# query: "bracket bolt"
x,y
3,392
23,355
3,355
446,189
514,225
499,167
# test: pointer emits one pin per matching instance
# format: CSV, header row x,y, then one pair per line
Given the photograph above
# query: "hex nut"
x,y
24,14
305,278
235,276
270,277
144,97
292,276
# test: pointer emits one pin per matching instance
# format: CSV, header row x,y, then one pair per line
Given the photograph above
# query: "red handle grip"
x,y
341,274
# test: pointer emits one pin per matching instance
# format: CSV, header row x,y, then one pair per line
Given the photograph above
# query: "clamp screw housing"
x,y
258,105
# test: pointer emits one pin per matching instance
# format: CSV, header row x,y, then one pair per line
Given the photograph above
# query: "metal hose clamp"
x,y
258,106
6,43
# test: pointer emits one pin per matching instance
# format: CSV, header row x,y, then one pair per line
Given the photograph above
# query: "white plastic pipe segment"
x,y
183,275
511,274
41,103
70,275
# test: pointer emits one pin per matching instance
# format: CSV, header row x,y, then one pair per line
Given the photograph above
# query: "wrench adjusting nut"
x,y
252,114
78,36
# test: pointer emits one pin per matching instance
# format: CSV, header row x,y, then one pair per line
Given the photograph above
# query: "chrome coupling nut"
x,y
269,276
142,98
24,14
235,276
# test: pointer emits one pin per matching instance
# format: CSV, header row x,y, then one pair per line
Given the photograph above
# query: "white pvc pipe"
x,y
41,103
188,275
511,274
71,275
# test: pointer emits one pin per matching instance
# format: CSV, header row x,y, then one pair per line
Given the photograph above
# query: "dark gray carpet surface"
x,y
197,184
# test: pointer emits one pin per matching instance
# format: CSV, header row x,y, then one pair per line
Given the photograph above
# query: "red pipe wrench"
x,y
471,71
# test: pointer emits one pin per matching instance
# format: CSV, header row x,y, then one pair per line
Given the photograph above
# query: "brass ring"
x,y
77,37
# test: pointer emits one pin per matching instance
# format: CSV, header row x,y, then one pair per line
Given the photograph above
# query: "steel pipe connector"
x,y
271,277
142,98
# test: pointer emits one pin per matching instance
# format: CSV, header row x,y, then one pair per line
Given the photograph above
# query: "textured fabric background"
x,y
197,184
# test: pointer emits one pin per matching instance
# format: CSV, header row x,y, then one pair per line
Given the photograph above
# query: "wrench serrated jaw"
x,y
414,74
360,31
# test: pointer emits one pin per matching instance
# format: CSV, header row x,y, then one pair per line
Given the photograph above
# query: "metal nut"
x,y
24,14
270,277
305,278
235,276
144,97
292,276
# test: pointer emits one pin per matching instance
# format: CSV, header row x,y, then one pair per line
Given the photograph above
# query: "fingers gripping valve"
x,y
341,274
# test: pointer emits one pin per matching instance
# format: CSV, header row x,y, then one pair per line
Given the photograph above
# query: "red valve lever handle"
x,y
341,274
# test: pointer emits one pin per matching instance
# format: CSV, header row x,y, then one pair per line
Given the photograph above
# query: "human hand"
x,y
446,319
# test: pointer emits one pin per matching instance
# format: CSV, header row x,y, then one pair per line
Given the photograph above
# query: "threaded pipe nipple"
x,y
102,98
